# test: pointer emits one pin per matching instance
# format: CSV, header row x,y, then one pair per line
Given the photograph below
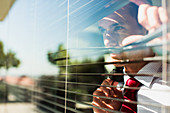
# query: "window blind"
x,y
81,60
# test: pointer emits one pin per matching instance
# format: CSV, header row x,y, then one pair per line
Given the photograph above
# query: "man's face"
x,y
116,28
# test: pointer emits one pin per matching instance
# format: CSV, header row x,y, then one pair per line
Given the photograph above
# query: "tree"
x,y
7,61
11,60
61,53
2,55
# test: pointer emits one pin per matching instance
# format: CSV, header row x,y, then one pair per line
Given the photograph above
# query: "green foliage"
x,y
61,53
2,55
55,85
88,69
9,59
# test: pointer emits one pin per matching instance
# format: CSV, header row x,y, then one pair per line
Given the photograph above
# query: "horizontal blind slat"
x,y
60,105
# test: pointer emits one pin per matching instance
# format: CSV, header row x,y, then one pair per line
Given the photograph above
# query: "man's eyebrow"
x,y
110,19
115,24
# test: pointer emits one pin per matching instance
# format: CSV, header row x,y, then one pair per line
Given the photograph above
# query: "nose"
x,y
106,42
110,40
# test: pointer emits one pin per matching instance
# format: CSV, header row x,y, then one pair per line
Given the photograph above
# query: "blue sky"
x,y
25,32
34,27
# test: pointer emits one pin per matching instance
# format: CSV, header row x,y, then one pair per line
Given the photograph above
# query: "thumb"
x,y
131,39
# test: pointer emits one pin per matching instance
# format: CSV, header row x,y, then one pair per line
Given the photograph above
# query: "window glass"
x,y
76,56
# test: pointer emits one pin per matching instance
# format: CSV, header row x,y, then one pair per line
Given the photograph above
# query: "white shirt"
x,y
153,96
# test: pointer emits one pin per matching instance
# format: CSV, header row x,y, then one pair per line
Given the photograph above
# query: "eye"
x,y
118,28
102,29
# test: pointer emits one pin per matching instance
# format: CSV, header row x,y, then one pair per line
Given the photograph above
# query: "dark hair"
x,y
132,9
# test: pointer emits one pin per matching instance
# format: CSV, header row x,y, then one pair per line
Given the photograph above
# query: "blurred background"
x,y
31,33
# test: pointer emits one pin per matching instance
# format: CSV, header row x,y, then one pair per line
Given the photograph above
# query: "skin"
x,y
125,30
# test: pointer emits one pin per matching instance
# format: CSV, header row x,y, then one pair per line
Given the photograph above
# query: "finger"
x,y
117,93
115,84
108,81
98,92
153,17
163,14
106,90
112,92
100,110
95,103
131,39
142,16
116,105
103,104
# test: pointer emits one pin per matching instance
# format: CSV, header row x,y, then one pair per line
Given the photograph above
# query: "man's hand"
x,y
151,17
111,92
